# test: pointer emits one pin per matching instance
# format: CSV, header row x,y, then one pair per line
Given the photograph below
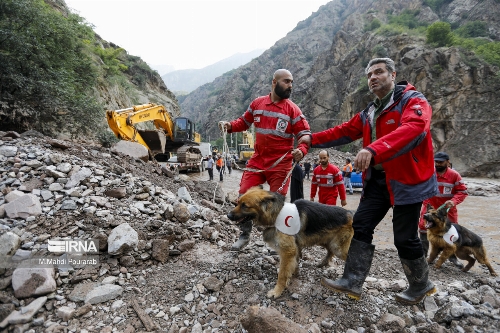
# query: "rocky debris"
x,y
164,259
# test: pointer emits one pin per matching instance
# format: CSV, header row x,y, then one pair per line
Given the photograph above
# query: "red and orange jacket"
x,y
330,183
220,163
276,125
450,187
403,145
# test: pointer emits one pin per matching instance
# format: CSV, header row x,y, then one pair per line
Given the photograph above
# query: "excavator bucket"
x,y
154,139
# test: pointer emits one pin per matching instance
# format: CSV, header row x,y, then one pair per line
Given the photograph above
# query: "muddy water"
x,y
478,213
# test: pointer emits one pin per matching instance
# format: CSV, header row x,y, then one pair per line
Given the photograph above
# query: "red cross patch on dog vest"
x,y
451,236
288,220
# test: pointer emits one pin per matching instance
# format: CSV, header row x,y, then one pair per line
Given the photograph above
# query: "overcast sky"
x,y
193,33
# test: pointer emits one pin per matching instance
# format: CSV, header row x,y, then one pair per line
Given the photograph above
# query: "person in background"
x,y
315,164
277,121
297,183
451,192
398,173
229,164
210,167
346,174
328,178
220,167
307,169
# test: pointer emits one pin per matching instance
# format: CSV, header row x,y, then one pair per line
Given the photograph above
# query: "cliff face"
x,y
327,54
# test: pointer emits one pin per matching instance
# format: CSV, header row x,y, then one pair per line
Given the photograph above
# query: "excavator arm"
x,y
170,136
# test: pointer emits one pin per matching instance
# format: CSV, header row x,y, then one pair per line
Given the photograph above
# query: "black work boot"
x,y
246,229
454,260
417,273
357,266
425,243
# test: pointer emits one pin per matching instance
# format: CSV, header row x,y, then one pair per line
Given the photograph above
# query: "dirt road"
x,y
478,213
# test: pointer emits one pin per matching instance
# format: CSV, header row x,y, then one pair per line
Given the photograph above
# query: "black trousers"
x,y
374,205
210,173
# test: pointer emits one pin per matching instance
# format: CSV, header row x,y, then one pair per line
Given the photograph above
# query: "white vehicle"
x,y
206,149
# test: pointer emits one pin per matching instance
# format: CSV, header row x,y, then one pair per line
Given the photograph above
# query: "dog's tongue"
x,y
427,225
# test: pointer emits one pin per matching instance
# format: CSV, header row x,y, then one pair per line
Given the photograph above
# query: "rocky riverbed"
x,y
164,260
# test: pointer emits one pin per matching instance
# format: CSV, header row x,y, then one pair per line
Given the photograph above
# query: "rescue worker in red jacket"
x,y
277,120
397,165
452,191
328,178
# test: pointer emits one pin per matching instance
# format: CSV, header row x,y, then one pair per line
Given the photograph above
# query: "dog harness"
x,y
288,220
451,236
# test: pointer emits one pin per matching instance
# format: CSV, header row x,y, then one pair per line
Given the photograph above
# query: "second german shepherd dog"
x,y
323,225
438,227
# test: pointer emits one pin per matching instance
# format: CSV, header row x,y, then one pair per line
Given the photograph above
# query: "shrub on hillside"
x,y
439,34
47,74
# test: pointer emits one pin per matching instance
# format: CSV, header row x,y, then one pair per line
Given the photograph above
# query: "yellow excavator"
x,y
170,136
245,149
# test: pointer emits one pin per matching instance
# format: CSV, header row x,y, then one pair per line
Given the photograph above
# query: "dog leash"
x,y
223,133
286,178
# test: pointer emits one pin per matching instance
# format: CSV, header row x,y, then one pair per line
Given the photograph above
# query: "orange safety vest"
x,y
220,162
347,167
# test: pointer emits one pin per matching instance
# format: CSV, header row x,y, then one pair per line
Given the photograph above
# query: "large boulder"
x,y
23,207
132,149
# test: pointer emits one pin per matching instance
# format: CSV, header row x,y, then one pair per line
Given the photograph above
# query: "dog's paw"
x,y
273,293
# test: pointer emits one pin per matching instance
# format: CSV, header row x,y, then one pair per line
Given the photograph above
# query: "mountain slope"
x,y
327,54
59,77
187,80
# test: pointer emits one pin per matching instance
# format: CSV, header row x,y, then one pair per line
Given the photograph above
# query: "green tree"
x,y
490,52
46,75
473,29
439,34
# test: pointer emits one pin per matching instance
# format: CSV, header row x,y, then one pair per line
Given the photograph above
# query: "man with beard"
x,y
398,173
328,178
277,120
451,192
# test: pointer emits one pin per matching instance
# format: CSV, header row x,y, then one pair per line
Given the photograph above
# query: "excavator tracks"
x,y
188,154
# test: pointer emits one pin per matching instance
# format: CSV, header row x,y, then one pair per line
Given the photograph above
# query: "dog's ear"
x,y
269,199
442,213
429,207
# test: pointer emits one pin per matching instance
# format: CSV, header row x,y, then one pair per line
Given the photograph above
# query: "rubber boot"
x,y
425,243
417,273
357,266
454,260
246,229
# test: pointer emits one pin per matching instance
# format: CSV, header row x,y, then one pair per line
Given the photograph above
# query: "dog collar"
x,y
451,236
288,220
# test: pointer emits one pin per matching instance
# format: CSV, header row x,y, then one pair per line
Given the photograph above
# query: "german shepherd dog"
x,y
438,225
323,225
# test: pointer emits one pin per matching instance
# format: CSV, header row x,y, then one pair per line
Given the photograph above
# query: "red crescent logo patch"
x,y
286,220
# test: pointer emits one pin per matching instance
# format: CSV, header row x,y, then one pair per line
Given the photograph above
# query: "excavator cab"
x,y
185,131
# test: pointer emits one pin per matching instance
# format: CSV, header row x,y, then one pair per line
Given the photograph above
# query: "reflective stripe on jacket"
x,y
276,125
